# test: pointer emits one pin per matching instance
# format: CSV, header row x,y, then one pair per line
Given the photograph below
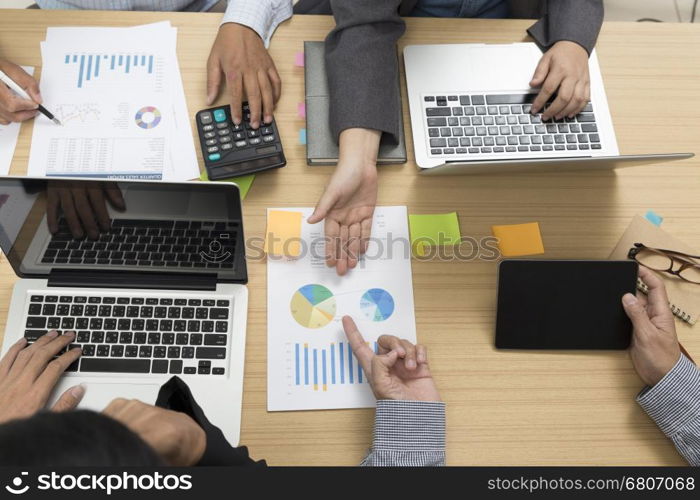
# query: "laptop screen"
x,y
122,226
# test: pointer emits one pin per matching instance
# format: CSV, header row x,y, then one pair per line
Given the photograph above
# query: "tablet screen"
x,y
564,304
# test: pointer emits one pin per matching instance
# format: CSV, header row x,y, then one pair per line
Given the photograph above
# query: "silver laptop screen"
x,y
122,226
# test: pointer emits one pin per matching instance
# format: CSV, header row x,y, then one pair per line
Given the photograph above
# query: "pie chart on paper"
x,y
313,306
377,304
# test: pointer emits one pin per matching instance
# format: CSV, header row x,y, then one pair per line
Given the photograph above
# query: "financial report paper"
x,y
309,361
122,104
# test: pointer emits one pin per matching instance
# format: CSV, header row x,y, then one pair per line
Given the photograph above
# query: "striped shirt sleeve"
x,y
408,433
262,16
674,404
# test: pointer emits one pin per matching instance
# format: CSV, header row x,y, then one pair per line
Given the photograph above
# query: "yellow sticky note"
x,y
283,235
434,230
519,239
244,182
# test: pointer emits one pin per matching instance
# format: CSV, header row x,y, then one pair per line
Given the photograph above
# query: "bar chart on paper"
x,y
321,368
88,70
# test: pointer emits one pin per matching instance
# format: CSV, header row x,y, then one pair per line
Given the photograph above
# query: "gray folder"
x,y
321,148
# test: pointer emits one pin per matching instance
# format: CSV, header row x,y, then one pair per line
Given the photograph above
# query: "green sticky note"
x,y
434,230
244,182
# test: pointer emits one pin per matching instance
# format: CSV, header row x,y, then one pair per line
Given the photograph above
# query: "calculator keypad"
x,y
221,134
230,150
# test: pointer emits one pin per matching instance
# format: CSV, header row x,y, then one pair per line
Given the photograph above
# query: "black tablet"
x,y
564,304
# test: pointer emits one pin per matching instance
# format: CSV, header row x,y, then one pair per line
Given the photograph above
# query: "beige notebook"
x,y
684,297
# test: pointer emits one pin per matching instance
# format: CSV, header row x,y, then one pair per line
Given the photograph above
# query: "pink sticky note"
x,y
299,59
301,109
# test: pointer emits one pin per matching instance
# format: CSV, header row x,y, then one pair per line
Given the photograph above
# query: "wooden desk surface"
x,y
503,408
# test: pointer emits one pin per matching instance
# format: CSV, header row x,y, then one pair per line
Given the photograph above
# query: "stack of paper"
x,y
118,93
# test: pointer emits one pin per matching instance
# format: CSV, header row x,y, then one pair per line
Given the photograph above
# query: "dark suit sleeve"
x,y
362,66
574,20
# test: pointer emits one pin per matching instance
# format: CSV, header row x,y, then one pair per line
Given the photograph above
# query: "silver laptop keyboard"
x,y
464,124
147,334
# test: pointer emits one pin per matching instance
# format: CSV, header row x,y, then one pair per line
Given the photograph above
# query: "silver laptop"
x,y
161,293
470,113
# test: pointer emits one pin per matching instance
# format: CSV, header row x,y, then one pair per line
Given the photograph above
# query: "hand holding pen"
x,y
20,98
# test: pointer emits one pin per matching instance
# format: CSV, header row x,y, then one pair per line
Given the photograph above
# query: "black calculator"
x,y
231,150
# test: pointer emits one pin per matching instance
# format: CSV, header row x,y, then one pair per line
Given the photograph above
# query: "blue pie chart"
x,y
377,304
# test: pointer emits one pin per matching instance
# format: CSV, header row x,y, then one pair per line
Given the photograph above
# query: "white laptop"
x,y
470,113
162,293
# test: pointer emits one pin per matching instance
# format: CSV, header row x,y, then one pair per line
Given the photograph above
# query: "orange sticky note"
x,y
519,239
283,235
299,59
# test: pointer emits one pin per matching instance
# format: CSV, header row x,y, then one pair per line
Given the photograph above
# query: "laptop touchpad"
x,y
98,395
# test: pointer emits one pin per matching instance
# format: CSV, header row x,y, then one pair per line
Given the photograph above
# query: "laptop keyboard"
x,y
145,334
147,243
470,124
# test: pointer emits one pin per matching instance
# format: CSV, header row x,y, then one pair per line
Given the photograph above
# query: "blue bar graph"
x,y
332,363
80,76
321,369
90,67
298,375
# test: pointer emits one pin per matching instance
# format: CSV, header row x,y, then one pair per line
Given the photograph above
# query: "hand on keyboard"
x,y
563,70
29,374
348,203
84,207
178,439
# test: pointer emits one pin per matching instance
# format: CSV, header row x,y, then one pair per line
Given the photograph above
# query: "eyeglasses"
x,y
662,260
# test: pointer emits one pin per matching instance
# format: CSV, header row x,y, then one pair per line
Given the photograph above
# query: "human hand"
x,y
400,371
348,203
84,206
12,107
240,55
654,348
29,374
563,70
172,434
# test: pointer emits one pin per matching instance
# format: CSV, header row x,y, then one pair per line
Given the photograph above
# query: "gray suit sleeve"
x,y
674,404
362,66
574,20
